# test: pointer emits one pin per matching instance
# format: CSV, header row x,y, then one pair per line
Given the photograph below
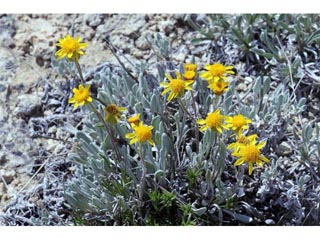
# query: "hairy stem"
x,y
114,145
143,176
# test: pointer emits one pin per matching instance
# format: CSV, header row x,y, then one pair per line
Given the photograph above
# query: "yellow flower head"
x,y
216,72
81,96
70,48
189,75
219,87
238,123
142,133
213,121
113,113
134,120
190,71
242,140
176,87
251,154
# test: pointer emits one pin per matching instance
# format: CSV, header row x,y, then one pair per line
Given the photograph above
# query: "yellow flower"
x,y
189,75
81,96
70,48
250,153
242,140
142,133
238,123
216,72
219,87
113,113
190,71
134,120
176,86
213,121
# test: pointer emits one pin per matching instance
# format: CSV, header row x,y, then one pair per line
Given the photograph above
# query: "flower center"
x,y
217,69
238,121
214,120
112,109
251,153
143,133
83,95
70,45
177,85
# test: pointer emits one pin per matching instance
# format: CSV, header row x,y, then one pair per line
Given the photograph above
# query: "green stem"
x,y
215,102
114,145
79,71
185,109
100,101
195,116
143,176
193,119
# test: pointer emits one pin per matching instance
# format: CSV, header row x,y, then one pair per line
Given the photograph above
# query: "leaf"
x,y
314,36
257,86
307,133
266,85
240,217
199,211
262,53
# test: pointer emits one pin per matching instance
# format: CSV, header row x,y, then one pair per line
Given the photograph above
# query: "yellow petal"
x,y
261,144
239,162
171,96
165,91
133,141
263,158
203,128
201,121
168,76
151,142
70,54
164,84
178,75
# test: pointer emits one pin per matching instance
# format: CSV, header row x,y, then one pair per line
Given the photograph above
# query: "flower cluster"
x,y
216,76
72,49
245,147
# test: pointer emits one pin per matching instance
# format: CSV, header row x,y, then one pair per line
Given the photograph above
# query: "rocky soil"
x,y
30,130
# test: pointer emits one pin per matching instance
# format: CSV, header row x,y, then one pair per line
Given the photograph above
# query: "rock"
x,y
3,158
269,222
180,57
93,20
167,26
142,43
132,26
137,53
122,43
284,149
52,130
28,105
7,175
